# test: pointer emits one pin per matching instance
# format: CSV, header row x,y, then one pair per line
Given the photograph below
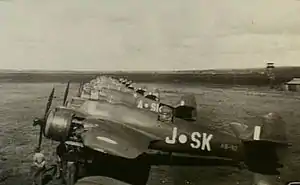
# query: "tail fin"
x,y
270,128
264,144
186,108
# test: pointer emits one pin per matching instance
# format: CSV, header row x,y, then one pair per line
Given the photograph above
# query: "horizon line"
x,y
137,71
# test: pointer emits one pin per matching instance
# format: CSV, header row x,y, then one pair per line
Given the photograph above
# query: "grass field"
x,y
217,107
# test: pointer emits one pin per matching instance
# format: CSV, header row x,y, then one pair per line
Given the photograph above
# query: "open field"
x,y
21,102
254,76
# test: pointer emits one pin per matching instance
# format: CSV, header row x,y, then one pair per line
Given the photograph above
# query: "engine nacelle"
x,y
58,124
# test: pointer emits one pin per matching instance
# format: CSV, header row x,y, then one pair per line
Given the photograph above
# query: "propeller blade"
x,y
49,103
40,137
66,94
39,122
80,89
42,122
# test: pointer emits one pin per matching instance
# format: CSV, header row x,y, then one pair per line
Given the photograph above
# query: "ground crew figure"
x,y
39,167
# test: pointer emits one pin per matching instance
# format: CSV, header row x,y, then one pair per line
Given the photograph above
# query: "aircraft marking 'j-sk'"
x,y
198,140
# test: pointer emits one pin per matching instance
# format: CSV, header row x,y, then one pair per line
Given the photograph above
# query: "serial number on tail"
x,y
198,140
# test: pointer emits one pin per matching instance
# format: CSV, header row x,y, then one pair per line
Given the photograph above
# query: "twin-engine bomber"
x,y
110,131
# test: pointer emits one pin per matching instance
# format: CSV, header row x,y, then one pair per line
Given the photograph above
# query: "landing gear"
x,y
69,173
139,174
66,169
128,171
74,163
131,173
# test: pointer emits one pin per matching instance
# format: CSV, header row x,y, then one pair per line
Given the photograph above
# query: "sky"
x,y
148,34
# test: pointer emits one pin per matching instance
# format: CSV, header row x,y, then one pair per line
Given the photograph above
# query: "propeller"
x,y
66,94
42,121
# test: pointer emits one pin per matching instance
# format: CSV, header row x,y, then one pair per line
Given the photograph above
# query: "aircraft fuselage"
x,y
178,136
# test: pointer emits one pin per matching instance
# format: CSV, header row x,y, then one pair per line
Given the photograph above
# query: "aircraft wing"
x,y
114,138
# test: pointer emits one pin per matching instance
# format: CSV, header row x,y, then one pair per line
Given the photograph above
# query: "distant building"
x,y
270,73
293,85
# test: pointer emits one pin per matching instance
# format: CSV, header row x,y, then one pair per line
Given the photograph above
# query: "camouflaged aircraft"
x,y
102,82
100,138
184,109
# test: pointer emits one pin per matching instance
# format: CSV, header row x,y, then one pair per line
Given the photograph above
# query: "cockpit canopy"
x,y
141,91
152,95
76,102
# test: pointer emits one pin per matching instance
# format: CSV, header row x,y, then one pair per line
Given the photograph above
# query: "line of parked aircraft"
x,y
118,129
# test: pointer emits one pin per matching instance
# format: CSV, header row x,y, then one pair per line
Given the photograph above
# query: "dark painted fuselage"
x,y
179,136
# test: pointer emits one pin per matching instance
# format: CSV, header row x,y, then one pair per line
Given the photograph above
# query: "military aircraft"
x,y
184,109
103,138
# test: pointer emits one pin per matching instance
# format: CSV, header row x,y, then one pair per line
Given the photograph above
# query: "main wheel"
x,y
99,180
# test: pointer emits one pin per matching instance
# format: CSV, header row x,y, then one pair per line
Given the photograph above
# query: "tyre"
x,y
99,180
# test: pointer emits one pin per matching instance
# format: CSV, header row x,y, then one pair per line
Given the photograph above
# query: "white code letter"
x,y
205,141
153,107
195,137
174,135
140,104
157,107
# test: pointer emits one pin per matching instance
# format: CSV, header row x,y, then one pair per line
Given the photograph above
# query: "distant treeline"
x,y
25,77
225,77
